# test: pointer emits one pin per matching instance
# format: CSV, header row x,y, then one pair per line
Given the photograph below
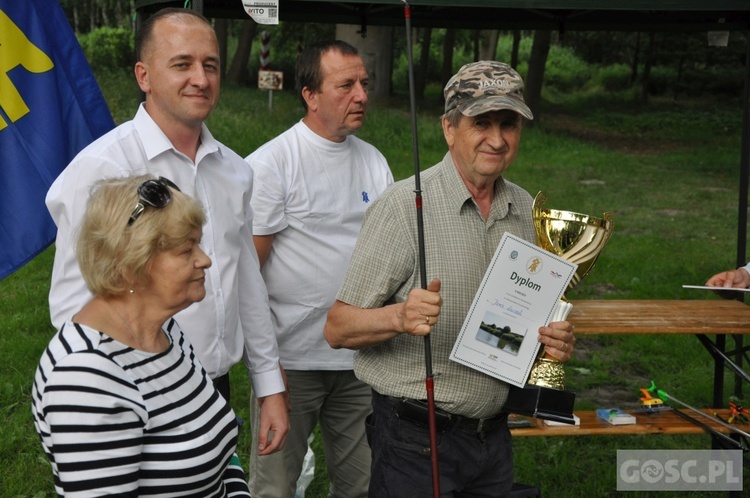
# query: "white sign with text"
x,y
262,11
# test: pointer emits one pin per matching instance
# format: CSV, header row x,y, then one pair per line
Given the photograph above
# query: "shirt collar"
x,y
155,142
458,193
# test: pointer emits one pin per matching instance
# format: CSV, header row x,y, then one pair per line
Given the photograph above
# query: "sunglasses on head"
x,y
154,193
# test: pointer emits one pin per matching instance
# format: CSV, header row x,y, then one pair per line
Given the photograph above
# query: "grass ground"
x,y
670,173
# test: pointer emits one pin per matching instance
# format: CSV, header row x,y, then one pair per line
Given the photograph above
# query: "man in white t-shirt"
x,y
313,185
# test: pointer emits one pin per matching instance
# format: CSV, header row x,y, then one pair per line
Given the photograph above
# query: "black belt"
x,y
416,411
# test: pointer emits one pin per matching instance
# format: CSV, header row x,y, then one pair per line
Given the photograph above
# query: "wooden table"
x,y
719,317
713,316
711,321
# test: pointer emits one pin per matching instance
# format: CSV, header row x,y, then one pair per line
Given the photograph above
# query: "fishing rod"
x,y
718,435
666,396
429,378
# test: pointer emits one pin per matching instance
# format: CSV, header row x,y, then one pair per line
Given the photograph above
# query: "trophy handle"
x,y
581,245
536,208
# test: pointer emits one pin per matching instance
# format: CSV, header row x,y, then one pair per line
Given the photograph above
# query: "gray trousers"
x,y
339,402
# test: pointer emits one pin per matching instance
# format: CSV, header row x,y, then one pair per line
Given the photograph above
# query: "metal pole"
x,y
744,163
742,209
711,430
706,415
429,379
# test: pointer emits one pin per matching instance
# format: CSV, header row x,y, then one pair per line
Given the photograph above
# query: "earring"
x,y
132,291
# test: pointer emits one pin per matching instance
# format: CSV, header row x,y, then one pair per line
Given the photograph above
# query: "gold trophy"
x,y
579,239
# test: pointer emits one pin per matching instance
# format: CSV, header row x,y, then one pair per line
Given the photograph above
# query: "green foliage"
x,y
109,48
604,47
661,80
613,78
462,54
565,71
121,92
88,15
504,49
286,39
289,36
683,65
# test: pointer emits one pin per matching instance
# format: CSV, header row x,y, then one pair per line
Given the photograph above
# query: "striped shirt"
x,y
459,245
115,420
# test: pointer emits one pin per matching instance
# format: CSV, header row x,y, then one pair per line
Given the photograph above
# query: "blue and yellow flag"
x,y
50,108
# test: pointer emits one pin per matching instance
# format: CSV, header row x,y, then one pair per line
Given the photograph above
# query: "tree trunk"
x,y
636,56
535,78
238,72
647,68
76,22
120,20
488,44
516,46
376,51
221,26
475,36
420,79
105,16
92,15
447,70
680,70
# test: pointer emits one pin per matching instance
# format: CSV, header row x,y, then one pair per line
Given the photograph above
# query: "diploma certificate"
x,y
519,293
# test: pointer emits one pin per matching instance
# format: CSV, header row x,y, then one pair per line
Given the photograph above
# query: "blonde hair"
x,y
114,255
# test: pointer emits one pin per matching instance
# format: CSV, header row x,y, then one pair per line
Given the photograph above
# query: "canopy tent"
x,y
582,15
557,15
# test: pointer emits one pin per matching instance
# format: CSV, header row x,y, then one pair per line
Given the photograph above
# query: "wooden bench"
x,y
717,317
662,422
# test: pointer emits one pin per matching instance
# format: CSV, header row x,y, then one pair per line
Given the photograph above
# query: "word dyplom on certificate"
x,y
519,293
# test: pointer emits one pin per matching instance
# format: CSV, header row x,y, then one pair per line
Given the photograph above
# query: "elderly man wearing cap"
x,y
380,309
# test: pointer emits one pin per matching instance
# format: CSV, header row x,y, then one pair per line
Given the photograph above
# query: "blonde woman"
x,y
120,402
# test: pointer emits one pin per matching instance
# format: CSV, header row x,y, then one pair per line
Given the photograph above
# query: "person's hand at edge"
x,y
737,279
274,423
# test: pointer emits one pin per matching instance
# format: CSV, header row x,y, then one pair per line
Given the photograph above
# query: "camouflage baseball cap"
x,y
486,86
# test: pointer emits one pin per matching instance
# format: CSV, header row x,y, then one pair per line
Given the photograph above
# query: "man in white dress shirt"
x,y
178,70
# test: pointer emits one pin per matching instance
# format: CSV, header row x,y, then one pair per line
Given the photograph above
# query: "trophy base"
x,y
541,402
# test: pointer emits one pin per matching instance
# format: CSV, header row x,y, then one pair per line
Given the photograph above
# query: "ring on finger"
x,y
427,320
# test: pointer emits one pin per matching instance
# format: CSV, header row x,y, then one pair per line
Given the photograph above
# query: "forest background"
x,y
645,124
678,64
